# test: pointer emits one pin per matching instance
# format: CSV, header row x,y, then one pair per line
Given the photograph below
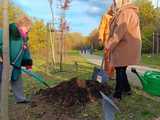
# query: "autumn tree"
x,y
149,19
38,38
94,41
13,11
74,40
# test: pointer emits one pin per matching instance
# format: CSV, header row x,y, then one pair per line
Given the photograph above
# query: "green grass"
x,y
98,52
152,61
139,106
82,69
146,59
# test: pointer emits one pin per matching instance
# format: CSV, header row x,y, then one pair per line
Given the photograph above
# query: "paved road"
x,y
94,59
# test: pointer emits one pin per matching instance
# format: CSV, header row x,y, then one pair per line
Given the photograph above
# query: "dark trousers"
x,y
122,84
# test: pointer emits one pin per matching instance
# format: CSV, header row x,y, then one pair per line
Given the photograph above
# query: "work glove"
x,y
28,67
107,54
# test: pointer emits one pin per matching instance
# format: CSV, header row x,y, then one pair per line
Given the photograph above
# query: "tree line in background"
x,y
14,12
149,18
39,33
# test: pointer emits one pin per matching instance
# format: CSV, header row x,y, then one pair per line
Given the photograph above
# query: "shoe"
x,y
127,93
116,100
117,95
24,102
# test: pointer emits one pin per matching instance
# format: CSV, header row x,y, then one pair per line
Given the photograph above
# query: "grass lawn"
x,y
98,52
152,61
139,106
147,60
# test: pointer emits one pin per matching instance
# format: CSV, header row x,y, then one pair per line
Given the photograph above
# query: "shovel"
x,y
109,108
36,76
99,74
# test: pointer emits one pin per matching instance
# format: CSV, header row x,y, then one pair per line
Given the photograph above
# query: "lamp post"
x,y
6,65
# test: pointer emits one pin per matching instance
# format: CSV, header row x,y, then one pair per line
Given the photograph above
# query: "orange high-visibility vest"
x,y
104,27
103,36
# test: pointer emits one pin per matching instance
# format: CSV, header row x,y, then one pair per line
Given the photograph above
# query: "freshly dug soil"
x,y
74,92
69,100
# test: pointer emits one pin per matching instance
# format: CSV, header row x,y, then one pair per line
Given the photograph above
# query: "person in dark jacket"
x,y
19,55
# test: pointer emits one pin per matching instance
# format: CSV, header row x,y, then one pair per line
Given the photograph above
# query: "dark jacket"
x,y
18,56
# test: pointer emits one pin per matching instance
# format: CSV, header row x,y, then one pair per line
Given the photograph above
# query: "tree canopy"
x,y
149,19
14,12
149,23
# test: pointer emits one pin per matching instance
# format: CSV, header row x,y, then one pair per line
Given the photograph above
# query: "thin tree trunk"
x,y
153,44
157,43
61,52
51,35
6,73
52,44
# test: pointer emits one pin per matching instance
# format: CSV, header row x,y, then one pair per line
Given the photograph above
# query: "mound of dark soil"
x,y
74,92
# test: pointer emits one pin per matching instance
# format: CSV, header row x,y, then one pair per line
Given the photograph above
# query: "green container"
x,y
150,81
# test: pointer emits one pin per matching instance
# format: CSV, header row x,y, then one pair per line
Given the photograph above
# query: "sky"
x,y
83,15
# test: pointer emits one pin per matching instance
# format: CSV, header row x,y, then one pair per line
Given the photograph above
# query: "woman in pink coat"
x,y
124,43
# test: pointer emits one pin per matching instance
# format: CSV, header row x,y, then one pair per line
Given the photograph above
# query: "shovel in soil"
x,y
36,77
109,108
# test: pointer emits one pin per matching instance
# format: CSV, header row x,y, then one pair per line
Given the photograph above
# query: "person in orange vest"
x,y
103,37
124,43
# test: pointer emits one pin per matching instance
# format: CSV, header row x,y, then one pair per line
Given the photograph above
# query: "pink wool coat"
x,y
124,40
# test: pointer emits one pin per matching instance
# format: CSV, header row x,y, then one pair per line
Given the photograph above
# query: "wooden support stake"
x,y
6,65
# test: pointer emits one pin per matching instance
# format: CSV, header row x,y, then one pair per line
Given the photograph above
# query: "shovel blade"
x,y
109,108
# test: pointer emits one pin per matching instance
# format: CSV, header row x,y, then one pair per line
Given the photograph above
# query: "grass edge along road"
x,y
146,60
139,106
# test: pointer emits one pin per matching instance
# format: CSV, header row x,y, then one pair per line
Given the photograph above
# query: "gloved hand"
x,y
106,51
107,54
28,67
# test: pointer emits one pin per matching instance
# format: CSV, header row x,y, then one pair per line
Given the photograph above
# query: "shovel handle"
x,y
46,84
133,70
